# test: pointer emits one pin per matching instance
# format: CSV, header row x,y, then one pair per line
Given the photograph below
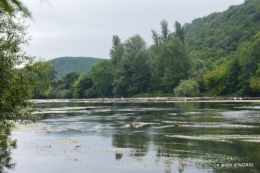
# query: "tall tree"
x,y
164,29
117,51
176,63
102,77
179,31
132,75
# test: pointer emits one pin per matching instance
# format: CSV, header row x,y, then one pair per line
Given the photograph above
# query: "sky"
x,y
85,27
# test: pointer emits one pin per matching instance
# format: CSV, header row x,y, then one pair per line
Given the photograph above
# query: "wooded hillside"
x,y
63,65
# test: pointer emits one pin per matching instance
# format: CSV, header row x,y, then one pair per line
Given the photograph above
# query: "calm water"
x,y
88,137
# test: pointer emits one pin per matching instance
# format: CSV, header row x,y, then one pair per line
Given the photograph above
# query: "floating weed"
x,y
66,142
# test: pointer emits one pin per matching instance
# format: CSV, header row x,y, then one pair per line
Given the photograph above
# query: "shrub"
x,y
188,88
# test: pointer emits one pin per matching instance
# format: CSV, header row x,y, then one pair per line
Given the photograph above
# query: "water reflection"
x,y
6,146
212,136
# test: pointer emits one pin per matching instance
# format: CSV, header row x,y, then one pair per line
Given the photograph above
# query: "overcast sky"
x,y
85,27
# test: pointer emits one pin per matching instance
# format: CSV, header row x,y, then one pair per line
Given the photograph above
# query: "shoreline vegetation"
x,y
216,55
152,99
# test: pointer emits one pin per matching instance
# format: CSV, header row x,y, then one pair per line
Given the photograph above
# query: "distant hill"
x,y
219,34
63,65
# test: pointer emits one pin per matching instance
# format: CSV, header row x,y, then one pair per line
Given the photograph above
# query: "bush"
x,y
188,88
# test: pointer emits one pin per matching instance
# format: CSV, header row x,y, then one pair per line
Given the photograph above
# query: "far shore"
x,y
152,99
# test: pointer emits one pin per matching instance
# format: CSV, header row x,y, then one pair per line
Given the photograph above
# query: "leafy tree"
x,y
255,83
249,53
64,94
133,45
156,38
20,75
10,5
216,80
122,79
176,63
17,84
132,73
164,29
102,77
155,62
179,31
83,83
140,73
117,51
233,77
41,88
69,79
189,88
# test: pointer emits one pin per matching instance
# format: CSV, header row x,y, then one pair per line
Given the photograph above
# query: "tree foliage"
x,y
189,88
20,76
102,76
215,80
11,6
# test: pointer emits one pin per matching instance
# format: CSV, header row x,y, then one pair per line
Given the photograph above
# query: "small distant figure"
x,y
235,98
177,125
77,147
240,98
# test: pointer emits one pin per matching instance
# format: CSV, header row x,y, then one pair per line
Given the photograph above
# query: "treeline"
x,y
215,55
133,68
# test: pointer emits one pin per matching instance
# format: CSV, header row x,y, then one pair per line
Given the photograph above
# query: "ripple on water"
x,y
219,138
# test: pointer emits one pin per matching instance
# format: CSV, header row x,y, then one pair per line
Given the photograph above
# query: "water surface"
x,y
166,137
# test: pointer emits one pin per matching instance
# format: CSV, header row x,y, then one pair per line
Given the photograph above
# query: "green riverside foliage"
x,y
189,88
215,80
64,65
219,52
20,76
101,74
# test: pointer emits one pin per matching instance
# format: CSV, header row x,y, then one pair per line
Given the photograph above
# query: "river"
x,y
140,137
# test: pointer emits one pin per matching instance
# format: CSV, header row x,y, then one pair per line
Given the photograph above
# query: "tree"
x,y
102,77
255,83
10,5
189,88
20,74
117,51
122,79
176,63
132,73
164,29
17,83
179,31
69,79
233,77
81,85
215,80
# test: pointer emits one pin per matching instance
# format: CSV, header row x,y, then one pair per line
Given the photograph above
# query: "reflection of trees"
x,y
134,141
6,145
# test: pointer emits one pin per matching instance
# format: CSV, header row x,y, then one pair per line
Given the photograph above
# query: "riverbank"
x,y
153,99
